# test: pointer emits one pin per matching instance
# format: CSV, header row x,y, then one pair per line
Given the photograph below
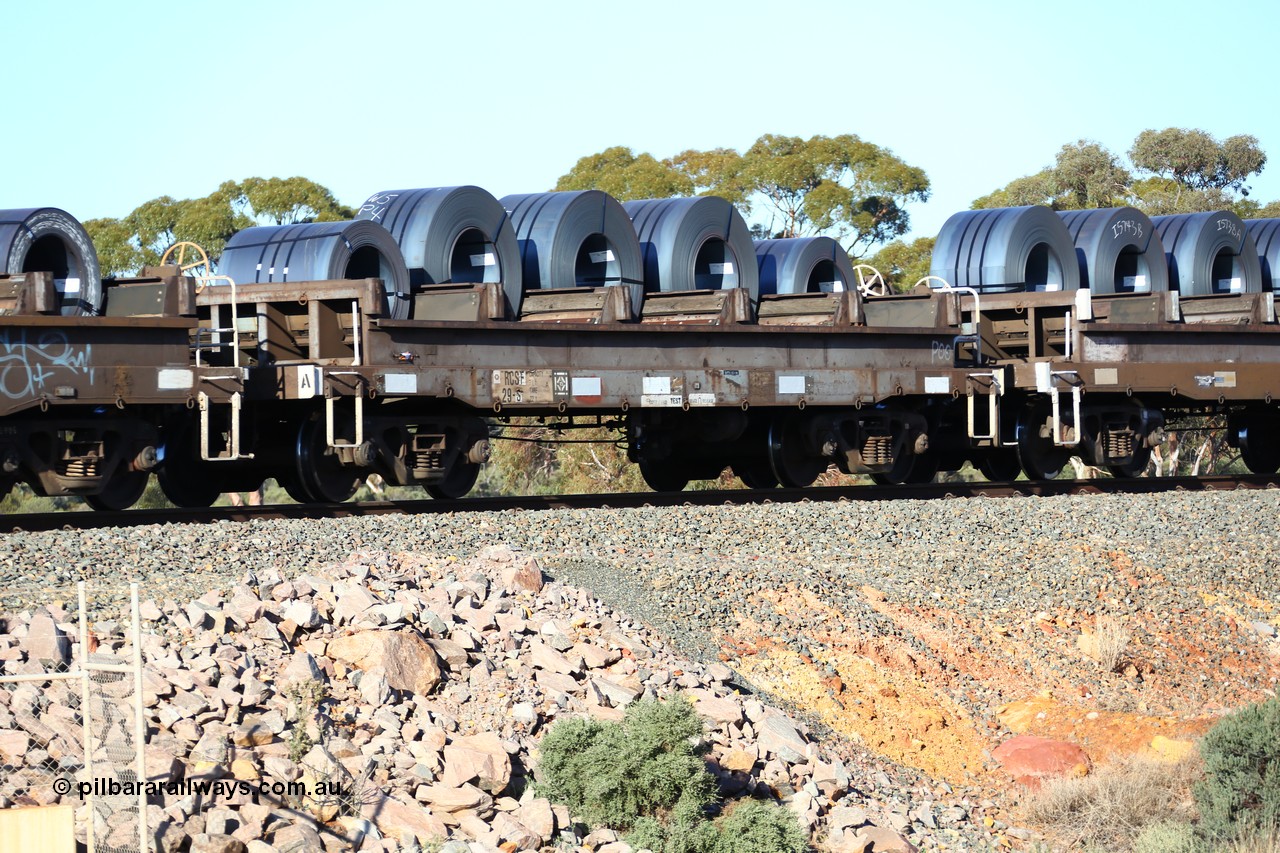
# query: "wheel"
x,y
663,476
295,490
755,473
999,466
870,281
793,467
185,480
190,258
460,480
1136,465
121,491
1261,457
320,473
1040,458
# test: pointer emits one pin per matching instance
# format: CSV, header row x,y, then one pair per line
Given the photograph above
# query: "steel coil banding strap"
x,y
1209,253
694,244
803,265
1006,249
575,239
317,251
1266,238
1118,250
450,235
45,239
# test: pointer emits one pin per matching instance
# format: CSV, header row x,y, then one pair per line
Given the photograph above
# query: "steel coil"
x,y
317,251
45,239
1209,253
803,265
575,239
1006,249
1266,239
1118,250
694,244
450,235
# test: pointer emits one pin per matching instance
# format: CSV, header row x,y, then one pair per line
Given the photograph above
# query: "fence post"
x,y
139,722
84,714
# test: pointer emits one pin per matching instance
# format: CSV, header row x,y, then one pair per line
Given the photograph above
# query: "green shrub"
x,y
750,827
1167,836
1241,789
755,827
612,774
646,774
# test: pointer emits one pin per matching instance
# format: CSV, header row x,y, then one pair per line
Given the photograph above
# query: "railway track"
x,y
719,497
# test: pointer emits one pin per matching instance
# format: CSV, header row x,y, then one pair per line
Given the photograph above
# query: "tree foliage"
x,y
139,239
842,185
903,264
626,176
1174,170
838,185
1195,160
1084,175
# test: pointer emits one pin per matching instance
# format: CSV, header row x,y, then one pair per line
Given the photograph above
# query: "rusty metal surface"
x,y
58,361
931,491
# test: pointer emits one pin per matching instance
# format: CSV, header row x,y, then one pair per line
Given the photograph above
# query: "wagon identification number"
x,y
529,386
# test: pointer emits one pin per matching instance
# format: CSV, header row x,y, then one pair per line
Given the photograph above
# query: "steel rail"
x,y
32,522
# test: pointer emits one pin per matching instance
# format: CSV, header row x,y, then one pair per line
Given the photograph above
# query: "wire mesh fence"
x,y
71,724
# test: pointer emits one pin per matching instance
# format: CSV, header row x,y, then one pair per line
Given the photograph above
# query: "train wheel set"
x,y
327,352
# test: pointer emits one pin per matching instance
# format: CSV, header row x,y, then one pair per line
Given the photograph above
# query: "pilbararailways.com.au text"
x,y
203,787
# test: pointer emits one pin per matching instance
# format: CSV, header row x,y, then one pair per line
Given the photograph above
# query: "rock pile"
x,y
408,695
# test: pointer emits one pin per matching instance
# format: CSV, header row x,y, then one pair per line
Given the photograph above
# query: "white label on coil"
x,y
1237,285
400,383
1105,376
309,379
791,384
585,386
69,285
657,385
722,269
286,271
174,378
485,260
271,270
937,385
703,399
831,286
601,257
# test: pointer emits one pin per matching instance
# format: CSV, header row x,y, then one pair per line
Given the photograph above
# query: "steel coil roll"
x,y
450,234
1006,249
694,244
1209,253
316,251
1118,250
803,265
1266,239
45,239
574,239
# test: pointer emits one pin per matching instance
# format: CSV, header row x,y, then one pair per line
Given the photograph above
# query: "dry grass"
x,y
1110,639
1111,806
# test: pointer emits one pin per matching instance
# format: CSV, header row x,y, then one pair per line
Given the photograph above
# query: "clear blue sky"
x,y
108,105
